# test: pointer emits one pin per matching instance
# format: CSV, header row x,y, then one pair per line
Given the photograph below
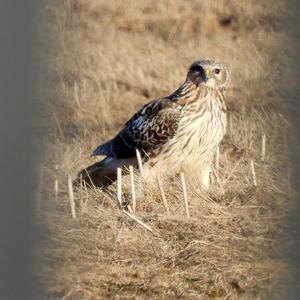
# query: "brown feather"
x,y
104,172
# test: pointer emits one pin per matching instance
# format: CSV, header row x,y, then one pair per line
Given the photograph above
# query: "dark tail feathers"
x,y
104,172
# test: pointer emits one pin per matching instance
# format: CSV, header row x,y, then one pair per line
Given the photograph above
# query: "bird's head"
x,y
208,73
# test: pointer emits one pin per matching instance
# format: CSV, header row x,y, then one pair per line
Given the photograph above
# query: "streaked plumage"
x,y
174,133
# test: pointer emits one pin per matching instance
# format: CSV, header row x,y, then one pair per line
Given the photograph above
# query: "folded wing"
x,y
152,126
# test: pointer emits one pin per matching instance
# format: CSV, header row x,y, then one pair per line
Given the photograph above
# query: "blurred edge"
x,y
293,105
18,148
19,151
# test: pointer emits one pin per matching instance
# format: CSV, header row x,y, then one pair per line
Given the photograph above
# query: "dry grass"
x,y
106,59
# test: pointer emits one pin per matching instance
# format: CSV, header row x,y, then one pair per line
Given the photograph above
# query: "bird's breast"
x,y
200,131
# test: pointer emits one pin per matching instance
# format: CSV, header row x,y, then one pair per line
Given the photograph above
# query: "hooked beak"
x,y
208,74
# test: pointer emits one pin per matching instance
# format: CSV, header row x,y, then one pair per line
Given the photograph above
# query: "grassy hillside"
x,y
106,59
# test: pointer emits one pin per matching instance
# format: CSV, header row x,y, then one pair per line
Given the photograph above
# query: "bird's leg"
x,y
205,177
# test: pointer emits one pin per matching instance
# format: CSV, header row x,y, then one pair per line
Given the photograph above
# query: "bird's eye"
x,y
217,71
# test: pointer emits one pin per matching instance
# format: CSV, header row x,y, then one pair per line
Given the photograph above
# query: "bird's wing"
x,y
153,125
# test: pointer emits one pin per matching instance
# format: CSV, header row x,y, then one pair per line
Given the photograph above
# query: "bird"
x,y
177,133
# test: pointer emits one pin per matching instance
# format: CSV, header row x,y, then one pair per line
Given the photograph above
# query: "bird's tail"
x,y
104,172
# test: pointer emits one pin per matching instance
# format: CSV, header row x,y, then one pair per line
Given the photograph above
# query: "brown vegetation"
x,y
106,59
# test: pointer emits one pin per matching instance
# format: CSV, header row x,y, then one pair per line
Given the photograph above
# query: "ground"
x,y
104,60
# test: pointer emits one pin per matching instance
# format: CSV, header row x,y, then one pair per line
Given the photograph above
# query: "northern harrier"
x,y
179,132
